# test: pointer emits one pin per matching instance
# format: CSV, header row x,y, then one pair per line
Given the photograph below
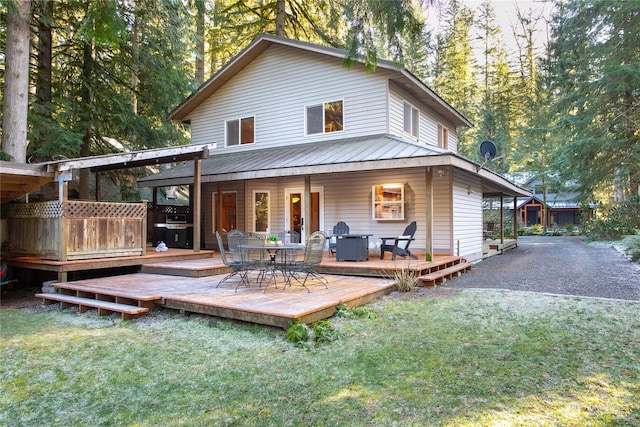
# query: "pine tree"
x,y
597,79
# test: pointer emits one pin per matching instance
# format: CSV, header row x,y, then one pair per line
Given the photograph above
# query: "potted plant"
x,y
273,239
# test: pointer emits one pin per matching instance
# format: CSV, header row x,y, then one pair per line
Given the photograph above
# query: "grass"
x,y
469,358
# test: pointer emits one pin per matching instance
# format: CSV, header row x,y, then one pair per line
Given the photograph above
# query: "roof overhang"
x,y
133,159
18,179
366,154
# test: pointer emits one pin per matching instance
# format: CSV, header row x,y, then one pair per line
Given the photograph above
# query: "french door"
x,y
294,215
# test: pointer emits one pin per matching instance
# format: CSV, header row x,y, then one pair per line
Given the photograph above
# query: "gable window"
x,y
443,137
240,131
325,118
411,119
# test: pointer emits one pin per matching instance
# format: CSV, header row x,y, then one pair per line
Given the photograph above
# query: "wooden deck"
x,y
64,267
275,307
191,286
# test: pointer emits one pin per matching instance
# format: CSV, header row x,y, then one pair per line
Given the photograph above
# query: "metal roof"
x,y
342,155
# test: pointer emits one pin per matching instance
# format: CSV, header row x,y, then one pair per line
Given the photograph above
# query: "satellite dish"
x,y
488,150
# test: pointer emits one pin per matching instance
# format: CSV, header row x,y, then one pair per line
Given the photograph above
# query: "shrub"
x,y
405,279
632,247
323,331
618,220
537,228
298,333
306,337
356,312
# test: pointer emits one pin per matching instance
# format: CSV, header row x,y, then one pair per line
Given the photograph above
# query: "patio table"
x,y
287,252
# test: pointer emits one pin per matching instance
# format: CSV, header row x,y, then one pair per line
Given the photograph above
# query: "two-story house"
x,y
304,142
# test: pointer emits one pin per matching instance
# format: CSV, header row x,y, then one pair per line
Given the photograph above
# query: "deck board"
x,y
191,286
275,307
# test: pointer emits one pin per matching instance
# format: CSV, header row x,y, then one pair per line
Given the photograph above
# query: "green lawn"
x,y
468,358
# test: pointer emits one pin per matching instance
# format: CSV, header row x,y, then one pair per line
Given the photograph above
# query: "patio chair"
x,y
237,266
312,257
400,245
254,257
340,229
289,236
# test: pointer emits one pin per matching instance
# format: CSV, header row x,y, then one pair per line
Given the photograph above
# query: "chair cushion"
x,y
403,241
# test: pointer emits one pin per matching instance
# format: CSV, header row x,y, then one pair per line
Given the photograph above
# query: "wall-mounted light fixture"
x,y
442,172
469,190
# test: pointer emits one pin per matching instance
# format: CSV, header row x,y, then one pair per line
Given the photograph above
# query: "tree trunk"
x,y
45,52
280,17
88,130
16,81
200,42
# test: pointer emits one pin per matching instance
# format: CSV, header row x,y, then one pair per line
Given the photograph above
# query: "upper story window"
x,y
443,137
411,119
240,131
325,118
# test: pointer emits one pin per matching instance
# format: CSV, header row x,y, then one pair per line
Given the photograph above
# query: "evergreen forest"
x,y
104,74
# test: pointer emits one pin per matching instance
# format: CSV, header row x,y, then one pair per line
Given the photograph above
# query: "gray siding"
x,y
442,212
428,131
467,216
276,87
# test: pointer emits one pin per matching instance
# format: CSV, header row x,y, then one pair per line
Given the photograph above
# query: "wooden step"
x,y
446,273
104,307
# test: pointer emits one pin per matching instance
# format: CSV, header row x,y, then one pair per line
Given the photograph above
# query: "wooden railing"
x,y
73,229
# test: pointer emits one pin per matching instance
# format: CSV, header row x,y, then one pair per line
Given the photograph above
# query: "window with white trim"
x,y
240,131
261,211
443,137
388,201
411,119
324,118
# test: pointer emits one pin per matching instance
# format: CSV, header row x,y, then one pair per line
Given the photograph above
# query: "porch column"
x,y
197,205
501,218
428,214
515,218
63,197
219,210
306,208
98,187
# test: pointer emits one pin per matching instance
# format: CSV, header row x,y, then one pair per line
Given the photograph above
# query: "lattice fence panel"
x,y
174,209
104,210
51,209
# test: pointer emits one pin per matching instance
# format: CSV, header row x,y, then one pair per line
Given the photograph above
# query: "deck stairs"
x,y
68,295
195,268
439,272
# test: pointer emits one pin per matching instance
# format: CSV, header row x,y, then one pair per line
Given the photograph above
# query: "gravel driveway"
x,y
557,265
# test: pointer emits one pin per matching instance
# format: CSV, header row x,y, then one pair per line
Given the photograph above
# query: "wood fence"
x,y
74,230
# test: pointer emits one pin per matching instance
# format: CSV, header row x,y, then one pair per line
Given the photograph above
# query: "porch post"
x,y
219,210
428,214
306,208
197,205
98,187
63,197
502,218
515,218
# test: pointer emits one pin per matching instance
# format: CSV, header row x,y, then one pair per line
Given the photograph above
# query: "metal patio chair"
x,y
313,253
236,264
